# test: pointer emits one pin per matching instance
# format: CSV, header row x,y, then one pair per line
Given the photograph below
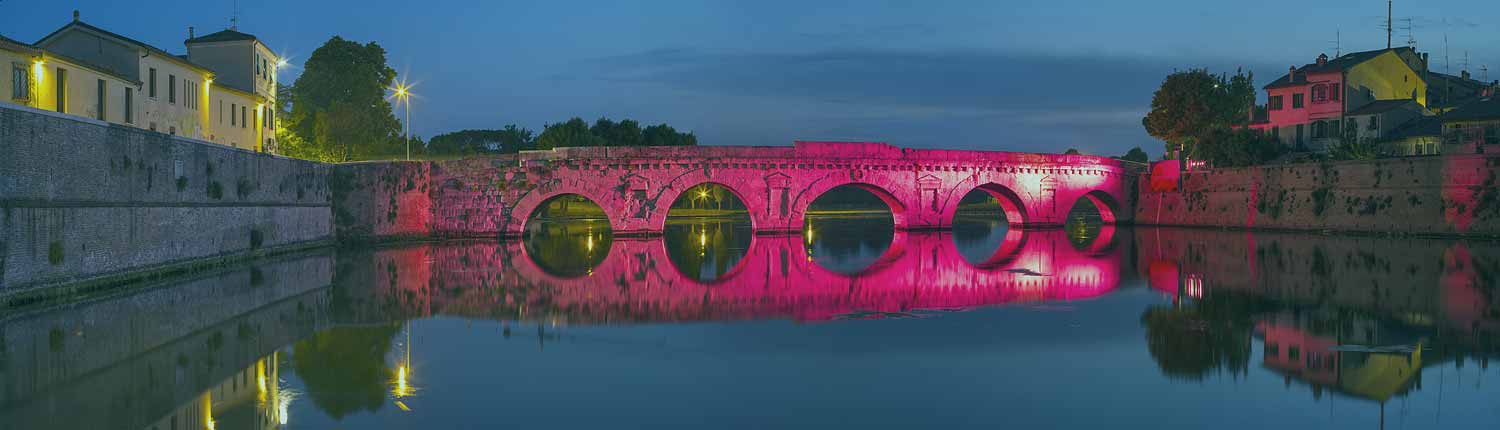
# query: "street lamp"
x,y
402,93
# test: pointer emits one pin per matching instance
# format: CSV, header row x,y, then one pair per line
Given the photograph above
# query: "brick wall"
x,y
84,199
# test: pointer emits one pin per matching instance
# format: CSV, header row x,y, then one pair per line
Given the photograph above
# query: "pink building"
x,y
1307,107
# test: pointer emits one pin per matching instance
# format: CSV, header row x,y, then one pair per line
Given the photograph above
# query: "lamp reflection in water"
x,y
401,387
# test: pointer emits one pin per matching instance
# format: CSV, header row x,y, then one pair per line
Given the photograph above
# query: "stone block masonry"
x,y
1447,195
85,201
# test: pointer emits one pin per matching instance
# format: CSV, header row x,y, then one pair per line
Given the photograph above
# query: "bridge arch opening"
x,y
567,236
1090,223
850,228
986,224
708,232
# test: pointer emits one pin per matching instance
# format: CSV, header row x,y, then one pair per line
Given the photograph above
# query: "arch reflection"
x,y
568,235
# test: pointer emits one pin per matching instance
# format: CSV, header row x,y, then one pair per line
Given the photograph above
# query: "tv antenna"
x,y
1411,39
1388,27
234,15
1484,73
1338,43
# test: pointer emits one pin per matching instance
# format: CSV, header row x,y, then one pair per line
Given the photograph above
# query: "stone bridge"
x,y
495,196
776,278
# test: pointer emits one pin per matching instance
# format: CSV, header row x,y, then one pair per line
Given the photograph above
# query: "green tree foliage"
x,y
344,368
573,132
1236,147
508,140
1136,155
1071,151
339,111
1191,104
604,132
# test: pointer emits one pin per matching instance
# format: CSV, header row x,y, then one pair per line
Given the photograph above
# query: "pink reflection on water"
x,y
775,279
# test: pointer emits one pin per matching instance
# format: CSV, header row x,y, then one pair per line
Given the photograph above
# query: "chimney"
x,y
75,15
1322,59
1424,61
1291,74
1464,74
190,32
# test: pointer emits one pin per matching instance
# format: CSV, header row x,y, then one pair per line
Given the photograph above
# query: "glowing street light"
x,y
401,92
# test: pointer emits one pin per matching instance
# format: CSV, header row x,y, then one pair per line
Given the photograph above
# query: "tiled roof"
x,y
1483,109
1419,126
17,43
1335,64
222,36
143,45
1381,106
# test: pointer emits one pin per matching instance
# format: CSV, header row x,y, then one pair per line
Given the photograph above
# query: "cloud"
x,y
952,80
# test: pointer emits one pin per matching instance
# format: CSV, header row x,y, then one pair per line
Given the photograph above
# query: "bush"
x,y
215,190
55,252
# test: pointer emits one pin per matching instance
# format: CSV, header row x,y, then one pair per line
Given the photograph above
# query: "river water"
x,y
850,324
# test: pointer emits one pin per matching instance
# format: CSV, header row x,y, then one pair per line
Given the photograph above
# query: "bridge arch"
x,y
673,194
567,249
892,203
1107,205
1010,202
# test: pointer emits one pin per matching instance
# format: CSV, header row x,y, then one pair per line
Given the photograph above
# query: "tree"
x,y
344,367
509,140
1136,155
339,111
1191,104
625,133
665,135
1071,151
573,132
1236,148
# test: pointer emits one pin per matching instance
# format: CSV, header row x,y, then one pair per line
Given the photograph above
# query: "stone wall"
x,y
84,200
1451,195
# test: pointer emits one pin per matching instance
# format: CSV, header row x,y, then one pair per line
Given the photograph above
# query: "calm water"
x,y
849,325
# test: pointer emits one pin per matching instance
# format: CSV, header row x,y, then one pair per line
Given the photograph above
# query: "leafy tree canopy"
x,y
1137,155
339,111
1191,104
604,132
508,140
1071,151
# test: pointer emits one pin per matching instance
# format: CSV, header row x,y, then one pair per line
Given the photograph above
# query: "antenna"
x,y
1388,24
1338,43
234,15
1411,39
1484,73
1464,66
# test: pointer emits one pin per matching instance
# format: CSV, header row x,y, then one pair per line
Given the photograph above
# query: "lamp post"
x,y
403,96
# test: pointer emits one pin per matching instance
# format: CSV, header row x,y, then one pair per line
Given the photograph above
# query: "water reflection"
x,y
1194,324
569,248
848,243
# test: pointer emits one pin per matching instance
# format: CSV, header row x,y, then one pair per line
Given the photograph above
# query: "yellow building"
x,y
49,81
222,91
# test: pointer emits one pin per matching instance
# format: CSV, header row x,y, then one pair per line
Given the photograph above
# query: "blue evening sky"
x,y
1003,75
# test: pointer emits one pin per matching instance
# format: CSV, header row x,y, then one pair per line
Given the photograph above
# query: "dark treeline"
x,y
574,132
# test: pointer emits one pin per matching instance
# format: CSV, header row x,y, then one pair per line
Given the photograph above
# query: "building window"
x,y
129,106
1297,101
244,116
1333,91
1299,133
99,102
1275,102
1319,129
1374,123
20,82
1319,93
232,108
62,90
221,111
1333,128
172,89
151,92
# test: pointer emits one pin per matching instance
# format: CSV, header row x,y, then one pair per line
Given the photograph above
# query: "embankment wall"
x,y
86,201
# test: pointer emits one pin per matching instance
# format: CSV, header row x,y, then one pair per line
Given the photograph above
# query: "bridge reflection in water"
x,y
637,279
